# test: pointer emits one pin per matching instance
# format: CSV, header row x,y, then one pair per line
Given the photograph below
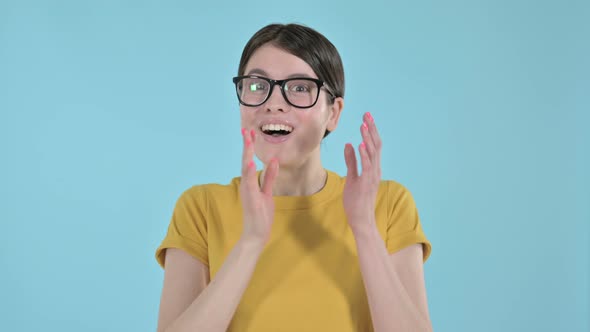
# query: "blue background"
x,y
110,109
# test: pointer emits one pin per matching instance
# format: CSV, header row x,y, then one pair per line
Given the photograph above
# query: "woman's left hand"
x,y
360,191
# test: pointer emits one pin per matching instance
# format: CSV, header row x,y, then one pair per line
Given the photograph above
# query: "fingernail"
x,y
243,131
251,164
365,125
362,145
370,116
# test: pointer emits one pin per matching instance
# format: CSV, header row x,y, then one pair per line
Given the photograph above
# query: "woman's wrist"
x,y
252,243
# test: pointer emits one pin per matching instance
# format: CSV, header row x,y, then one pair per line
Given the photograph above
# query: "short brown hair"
x,y
305,43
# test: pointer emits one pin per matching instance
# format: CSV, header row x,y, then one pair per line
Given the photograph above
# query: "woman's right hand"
x,y
258,205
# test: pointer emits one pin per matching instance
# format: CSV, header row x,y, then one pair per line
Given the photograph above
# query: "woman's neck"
x,y
305,180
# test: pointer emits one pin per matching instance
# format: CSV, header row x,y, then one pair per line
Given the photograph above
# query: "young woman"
x,y
295,247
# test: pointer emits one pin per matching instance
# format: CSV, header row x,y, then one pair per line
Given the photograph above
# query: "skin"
x,y
299,157
394,282
301,171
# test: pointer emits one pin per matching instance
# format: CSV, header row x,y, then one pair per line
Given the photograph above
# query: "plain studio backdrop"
x,y
109,110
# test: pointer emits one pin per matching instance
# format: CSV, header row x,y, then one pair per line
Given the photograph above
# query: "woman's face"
x,y
308,125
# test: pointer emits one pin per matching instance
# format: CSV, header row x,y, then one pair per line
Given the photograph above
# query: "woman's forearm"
x,y
392,309
213,309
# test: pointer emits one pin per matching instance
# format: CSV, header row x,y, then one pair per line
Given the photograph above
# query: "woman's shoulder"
x,y
393,185
392,190
387,187
209,190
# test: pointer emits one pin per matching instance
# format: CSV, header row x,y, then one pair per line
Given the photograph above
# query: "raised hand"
x,y
258,205
360,191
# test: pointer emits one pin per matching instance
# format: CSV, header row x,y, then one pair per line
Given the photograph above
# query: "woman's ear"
x,y
334,113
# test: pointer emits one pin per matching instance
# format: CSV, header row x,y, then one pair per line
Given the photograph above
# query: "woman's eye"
x,y
299,88
254,87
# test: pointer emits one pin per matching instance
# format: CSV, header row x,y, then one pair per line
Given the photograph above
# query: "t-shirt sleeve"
x,y
403,224
188,226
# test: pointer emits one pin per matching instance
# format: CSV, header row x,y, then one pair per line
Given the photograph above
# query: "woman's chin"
x,y
284,162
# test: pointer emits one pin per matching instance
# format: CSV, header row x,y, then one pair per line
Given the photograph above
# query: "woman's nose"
x,y
276,101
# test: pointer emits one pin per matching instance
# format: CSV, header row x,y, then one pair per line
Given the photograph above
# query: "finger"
x,y
246,156
351,163
248,165
365,161
370,147
374,133
253,175
253,136
269,176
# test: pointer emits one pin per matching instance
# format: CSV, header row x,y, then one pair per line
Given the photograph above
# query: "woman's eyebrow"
x,y
258,71
299,75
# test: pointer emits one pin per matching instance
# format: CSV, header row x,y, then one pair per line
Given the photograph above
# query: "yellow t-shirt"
x,y
308,277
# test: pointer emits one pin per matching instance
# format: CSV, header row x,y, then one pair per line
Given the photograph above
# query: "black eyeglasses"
x,y
300,92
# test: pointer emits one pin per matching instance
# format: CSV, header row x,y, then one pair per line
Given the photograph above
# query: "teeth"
x,y
277,127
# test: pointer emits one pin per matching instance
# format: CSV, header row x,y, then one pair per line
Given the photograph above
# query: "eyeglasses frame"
x,y
281,83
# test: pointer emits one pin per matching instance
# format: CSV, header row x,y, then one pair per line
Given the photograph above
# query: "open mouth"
x,y
276,130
